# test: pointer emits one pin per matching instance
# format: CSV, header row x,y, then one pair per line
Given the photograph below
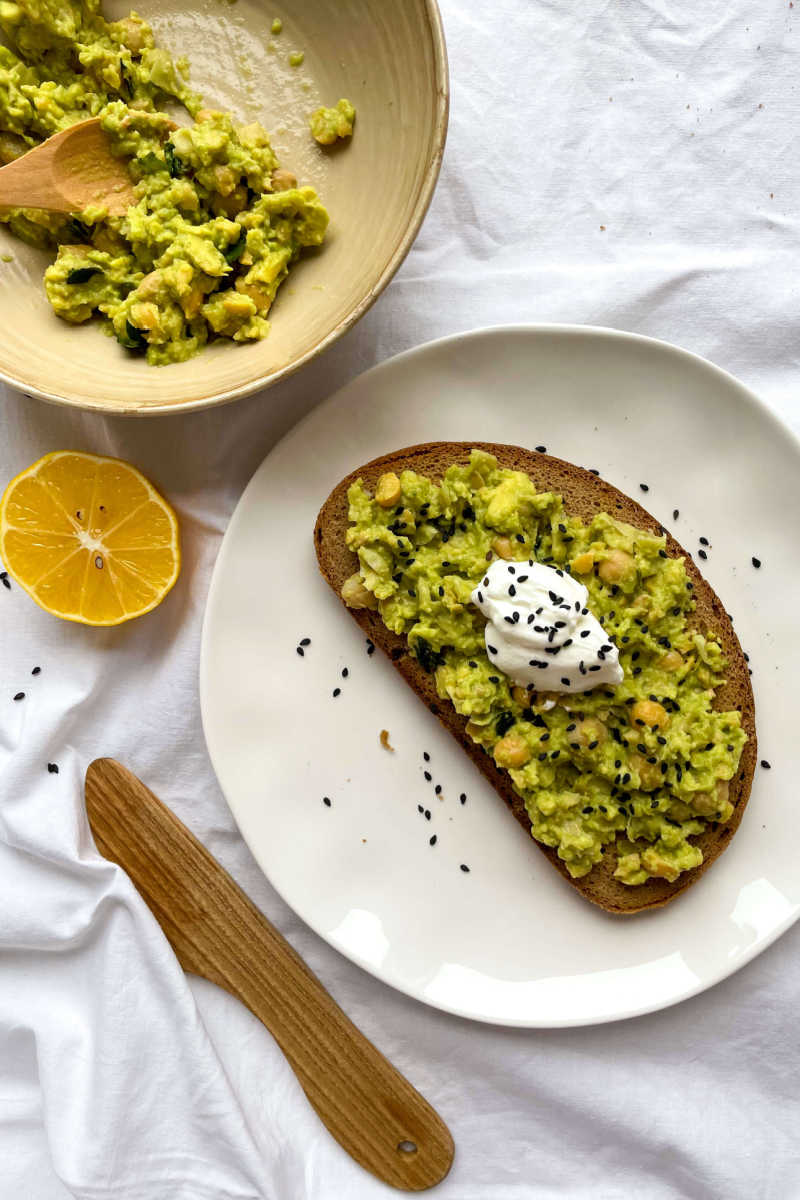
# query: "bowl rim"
x,y
404,243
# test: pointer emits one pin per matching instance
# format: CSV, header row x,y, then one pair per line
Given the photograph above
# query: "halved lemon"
x,y
89,538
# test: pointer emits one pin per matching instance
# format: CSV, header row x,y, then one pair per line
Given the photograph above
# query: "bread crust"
x,y
584,495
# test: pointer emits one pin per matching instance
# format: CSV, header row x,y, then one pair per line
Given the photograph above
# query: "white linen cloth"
x,y
630,164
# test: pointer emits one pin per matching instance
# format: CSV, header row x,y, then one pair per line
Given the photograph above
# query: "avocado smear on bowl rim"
x,y
643,765
216,224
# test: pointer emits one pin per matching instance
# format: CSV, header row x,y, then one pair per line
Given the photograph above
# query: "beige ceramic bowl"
x,y
388,57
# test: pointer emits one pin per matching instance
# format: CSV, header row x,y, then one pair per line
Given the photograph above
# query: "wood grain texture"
x,y
71,171
584,495
218,933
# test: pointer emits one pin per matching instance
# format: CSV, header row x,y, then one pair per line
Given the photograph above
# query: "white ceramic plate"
x,y
508,942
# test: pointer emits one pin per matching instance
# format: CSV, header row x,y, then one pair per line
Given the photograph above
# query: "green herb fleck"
x,y
133,338
82,274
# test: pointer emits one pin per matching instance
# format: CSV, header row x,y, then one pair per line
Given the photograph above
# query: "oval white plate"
x,y
508,942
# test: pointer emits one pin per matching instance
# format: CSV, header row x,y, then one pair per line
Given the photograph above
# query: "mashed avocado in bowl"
x,y
217,223
641,766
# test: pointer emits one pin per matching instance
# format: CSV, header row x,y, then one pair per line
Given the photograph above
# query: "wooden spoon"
x,y
217,932
71,171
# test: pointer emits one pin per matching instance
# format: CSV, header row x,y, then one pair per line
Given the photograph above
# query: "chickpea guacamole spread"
x,y
636,768
216,224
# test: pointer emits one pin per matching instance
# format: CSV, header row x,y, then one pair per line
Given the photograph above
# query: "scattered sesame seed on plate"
x,y
756,562
20,696
337,692
541,449
428,776
36,671
645,487
675,513
325,800
703,541
702,554
463,797
766,765
301,651
465,868
305,641
433,840
426,756
345,672
52,768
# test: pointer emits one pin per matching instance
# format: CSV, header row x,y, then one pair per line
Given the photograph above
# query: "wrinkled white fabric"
x,y
630,164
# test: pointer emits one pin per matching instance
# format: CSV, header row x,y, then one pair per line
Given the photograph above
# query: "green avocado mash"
x,y
216,224
328,124
643,766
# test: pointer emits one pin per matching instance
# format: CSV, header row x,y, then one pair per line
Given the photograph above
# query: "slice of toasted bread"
x,y
584,495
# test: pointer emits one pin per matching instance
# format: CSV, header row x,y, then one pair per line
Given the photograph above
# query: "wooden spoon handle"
x,y
217,932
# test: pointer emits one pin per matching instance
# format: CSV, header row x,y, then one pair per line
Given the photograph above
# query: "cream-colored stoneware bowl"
x,y
389,58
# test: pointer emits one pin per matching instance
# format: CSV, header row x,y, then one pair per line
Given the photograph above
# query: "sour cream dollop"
x,y
539,629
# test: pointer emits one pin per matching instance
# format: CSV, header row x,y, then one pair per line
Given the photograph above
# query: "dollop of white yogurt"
x,y
539,629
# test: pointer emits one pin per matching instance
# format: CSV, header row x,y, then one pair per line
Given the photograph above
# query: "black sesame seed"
x,y
438,789
301,651
52,768
6,580
428,776
702,554
492,649
337,692
426,756
20,696
542,756
767,766
565,681
432,841
756,562
36,671
675,514
465,868
305,641
520,537
703,541
420,809
541,449
644,487
427,814
593,745
345,672
463,797
325,800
